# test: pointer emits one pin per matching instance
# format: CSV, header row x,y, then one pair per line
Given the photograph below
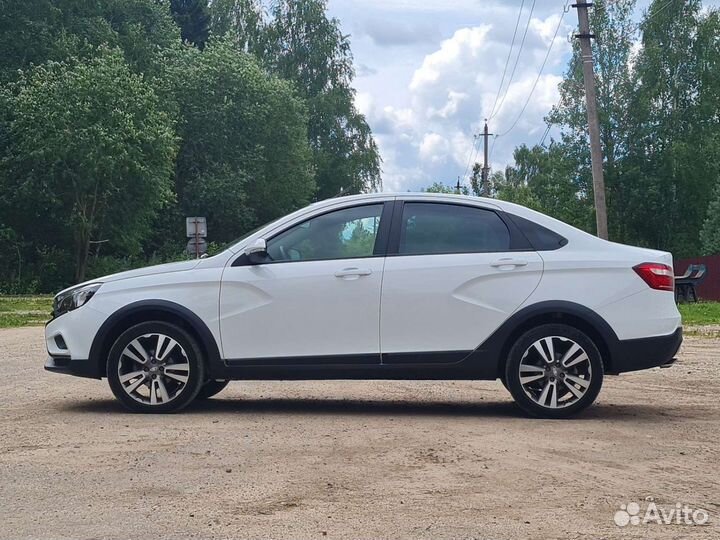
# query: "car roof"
x,y
407,195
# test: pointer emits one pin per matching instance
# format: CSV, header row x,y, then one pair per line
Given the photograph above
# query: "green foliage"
x,y
88,143
658,112
306,47
669,128
245,157
710,233
439,187
193,19
546,180
362,237
35,31
243,21
112,131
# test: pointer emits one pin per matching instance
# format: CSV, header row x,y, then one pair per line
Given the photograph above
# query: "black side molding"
x,y
298,361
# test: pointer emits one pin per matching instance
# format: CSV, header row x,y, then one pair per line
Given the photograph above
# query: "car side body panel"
x,y
448,316
451,302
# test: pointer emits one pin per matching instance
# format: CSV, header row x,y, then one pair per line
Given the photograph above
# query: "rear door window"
x,y
436,228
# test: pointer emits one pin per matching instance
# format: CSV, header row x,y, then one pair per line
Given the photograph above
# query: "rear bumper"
x,y
71,366
645,353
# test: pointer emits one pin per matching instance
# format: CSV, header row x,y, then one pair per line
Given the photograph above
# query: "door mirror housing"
x,y
259,246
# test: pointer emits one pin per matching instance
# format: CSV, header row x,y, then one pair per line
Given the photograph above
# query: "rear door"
x,y
453,274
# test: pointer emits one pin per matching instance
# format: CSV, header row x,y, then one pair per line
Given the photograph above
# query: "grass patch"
x,y
700,313
24,310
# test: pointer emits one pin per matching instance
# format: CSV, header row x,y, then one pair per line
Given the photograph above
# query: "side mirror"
x,y
258,246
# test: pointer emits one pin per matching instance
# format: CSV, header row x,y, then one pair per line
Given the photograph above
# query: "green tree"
x,y
710,234
244,20
439,187
669,129
547,179
513,188
35,31
193,18
308,48
244,157
612,24
88,157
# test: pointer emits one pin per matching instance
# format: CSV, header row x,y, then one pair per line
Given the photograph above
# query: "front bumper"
x,y
645,353
72,366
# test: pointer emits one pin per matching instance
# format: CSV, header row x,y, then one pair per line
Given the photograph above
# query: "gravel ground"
x,y
354,459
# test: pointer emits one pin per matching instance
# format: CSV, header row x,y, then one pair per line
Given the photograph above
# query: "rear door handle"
x,y
508,262
353,272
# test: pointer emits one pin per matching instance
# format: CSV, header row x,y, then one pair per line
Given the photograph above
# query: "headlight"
x,y
73,298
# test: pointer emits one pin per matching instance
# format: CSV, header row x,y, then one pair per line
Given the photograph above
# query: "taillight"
x,y
657,276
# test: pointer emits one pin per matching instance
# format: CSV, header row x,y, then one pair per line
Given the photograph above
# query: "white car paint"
x,y
301,309
429,303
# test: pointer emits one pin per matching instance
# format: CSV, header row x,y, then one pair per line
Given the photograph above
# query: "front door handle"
x,y
353,272
508,262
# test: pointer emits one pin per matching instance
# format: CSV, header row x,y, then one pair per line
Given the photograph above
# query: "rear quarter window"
x,y
541,238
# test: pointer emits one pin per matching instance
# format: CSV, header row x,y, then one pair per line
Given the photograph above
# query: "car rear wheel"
x,y
155,367
554,371
210,388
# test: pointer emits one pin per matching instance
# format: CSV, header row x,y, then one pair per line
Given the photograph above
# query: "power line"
x,y
649,16
474,149
517,60
507,60
542,67
492,147
542,140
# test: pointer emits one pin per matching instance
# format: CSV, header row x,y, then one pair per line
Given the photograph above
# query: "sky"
x,y
428,73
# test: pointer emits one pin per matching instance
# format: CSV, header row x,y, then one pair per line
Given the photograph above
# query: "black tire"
x,y
188,349
554,374
211,388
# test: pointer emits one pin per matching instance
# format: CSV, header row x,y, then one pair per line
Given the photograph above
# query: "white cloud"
x,y
462,49
434,148
429,96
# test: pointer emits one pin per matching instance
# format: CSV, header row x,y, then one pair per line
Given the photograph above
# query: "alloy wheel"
x,y
153,369
555,372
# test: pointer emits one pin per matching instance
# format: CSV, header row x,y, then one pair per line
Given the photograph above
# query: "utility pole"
x,y
458,187
593,124
486,167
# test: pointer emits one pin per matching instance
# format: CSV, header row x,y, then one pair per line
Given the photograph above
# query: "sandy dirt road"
x,y
354,459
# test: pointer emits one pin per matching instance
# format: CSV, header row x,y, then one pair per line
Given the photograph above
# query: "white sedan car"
x,y
380,286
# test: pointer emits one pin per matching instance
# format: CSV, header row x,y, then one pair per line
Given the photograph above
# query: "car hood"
x,y
150,270
145,271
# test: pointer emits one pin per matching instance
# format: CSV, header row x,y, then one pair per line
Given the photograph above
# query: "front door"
x,y
450,281
316,299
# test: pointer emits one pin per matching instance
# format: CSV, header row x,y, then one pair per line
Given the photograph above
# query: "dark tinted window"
x,y
344,234
541,238
450,228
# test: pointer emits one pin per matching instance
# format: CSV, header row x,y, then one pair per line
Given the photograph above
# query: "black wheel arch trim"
x,y
208,343
494,349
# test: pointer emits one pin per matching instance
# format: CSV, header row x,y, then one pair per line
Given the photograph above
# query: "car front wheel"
x,y
554,371
155,367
